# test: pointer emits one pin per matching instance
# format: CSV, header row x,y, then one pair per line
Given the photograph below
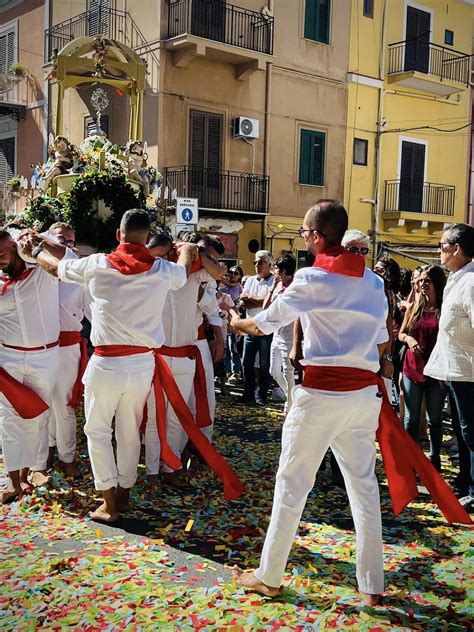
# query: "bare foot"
x,y
248,580
103,514
39,479
9,495
123,499
26,488
370,600
70,470
154,480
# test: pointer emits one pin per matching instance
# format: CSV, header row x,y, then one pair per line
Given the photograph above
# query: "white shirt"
x,y
179,312
208,305
283,337
126,309
257,287
343,317
72,302
453,356
29,310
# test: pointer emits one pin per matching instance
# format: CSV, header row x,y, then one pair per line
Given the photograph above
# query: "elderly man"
x,y
452,359
356,242
255,289
343,310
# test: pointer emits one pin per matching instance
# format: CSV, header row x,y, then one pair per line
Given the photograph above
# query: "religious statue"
x,y
62,153
138,170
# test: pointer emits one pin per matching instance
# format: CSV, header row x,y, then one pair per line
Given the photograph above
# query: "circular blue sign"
x,y
187,215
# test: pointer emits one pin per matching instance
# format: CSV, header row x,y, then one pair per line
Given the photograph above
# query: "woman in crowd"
x,y
419,332
232,362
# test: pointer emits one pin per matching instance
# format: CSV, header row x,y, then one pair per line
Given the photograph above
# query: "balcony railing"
x,y
221,22
422,56
221,190
425,197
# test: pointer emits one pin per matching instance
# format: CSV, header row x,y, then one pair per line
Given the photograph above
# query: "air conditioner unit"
x,y
243,127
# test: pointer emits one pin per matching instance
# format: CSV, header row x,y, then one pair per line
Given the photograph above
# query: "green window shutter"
x,y
312,150
317,20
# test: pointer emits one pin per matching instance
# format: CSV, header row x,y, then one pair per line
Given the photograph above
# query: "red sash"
x,y
201,332
67,339
21,277
131,259
401,455
165,385
23,399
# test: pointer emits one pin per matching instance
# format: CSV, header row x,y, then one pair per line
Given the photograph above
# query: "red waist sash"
x,y
165,385
23,399
201,332
401,455
67,339
51,345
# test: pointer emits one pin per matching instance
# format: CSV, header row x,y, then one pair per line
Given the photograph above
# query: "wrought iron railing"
x,y
221,22
242,192
108,21
426,197
423,56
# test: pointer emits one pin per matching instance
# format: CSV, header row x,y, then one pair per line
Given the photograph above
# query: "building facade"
x,y
409,122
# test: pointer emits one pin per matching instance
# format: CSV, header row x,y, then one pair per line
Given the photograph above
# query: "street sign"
x,y
187,211
189,228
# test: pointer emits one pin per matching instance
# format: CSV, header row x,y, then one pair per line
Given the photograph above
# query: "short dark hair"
x,y
212,241
392,271
159,240
463,235
4,234
62,225
286,263
135,220
329,217
405,282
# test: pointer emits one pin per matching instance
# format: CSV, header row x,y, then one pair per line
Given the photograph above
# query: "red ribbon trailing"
x,y
131,259
23,399
66,339
165,385
402,457
340,261
11,280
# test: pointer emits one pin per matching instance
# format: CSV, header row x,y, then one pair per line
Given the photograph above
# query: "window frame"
x,y
366,145
323,135
370,12
312,37
451,43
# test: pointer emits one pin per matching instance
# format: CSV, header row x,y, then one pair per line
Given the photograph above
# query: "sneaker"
x,y
468,503
235,379
261,403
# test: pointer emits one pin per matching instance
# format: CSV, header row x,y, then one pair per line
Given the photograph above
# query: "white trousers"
x,y
211,393
116,386
281,369
62,423
183,373
345,422
24,439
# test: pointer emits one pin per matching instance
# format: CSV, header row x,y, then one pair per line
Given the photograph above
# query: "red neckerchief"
x,y
10,281
341,261
131,259
195,266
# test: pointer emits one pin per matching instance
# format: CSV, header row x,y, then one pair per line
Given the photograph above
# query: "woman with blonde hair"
x,y
419,332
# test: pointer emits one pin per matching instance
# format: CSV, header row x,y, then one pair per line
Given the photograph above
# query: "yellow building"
x,y
408,122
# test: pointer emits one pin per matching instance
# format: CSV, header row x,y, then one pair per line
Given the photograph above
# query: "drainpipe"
x,y
378,133
266,145
47,20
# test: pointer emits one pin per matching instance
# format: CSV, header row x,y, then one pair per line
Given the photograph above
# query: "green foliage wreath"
x,y
95,204
43,211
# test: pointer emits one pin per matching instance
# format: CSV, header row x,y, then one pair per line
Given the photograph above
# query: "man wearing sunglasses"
x,y
356,242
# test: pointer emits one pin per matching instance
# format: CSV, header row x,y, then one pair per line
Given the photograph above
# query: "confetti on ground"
x,y
159,569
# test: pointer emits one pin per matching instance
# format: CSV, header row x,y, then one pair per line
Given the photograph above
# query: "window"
x,y
7,164
316,21
90,125
449,37
360,151
7,49
312,148
368,8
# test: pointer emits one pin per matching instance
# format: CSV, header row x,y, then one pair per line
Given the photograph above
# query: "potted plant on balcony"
x,y
20,70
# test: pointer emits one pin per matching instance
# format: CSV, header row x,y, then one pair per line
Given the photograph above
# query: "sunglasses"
x,y
358,251
66,242
444,243
302,231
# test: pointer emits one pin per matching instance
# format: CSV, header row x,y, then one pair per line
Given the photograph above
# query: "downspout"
x,y
46,88
378,138
266,144
470,182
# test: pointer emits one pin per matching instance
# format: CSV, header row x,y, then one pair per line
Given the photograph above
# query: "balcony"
x,y
16,91
107,21
223,191
417,206
220,31
420,65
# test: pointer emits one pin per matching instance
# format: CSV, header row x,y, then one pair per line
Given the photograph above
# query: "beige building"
x,y
244,109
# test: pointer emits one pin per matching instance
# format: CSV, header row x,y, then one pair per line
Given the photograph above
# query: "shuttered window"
x,y
312,151
205,155
7,50
412,175
90,125
317,20
7,159
417,48
98,17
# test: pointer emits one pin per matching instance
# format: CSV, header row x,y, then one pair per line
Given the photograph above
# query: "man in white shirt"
x,y
29,332
343,310
255,289
452,359
127,291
